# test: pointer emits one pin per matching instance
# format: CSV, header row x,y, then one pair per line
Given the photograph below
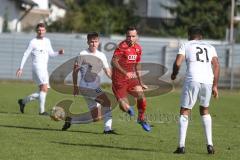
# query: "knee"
x,y
123,105
142,101
104,102
43,87
95,119
141,94
107,103
184,111
203,110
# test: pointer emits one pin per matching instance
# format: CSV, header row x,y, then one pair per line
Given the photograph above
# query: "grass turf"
x,y
30,136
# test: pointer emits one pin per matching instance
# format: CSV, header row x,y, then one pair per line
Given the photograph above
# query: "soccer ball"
x,y
57,113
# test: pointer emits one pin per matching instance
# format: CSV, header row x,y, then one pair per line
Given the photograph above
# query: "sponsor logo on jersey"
x,y
132,57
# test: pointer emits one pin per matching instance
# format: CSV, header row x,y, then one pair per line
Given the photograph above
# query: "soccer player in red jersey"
x,y
126,76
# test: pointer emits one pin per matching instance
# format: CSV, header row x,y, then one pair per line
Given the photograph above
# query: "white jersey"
x,y
198,56
40,50
91,64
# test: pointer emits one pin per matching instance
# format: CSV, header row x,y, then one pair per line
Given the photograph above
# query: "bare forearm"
x,y
74,79
138,73
75,76
176,66
175,69
216,71
116,65
108,72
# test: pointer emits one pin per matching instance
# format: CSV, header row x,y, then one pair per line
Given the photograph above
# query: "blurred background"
x,y
162,28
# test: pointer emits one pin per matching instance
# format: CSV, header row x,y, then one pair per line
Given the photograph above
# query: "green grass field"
x,y
30,136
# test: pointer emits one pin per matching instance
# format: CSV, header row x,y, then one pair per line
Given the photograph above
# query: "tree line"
x,y
112,17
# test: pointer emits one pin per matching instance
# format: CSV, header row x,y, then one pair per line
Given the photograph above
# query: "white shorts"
x,y
90,96
40,77
193,91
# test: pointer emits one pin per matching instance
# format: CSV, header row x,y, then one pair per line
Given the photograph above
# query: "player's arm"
x,y
75,77
106,68
24,59
61,51
51,51
108,72
138,74
216,71
116,64
176,66
75,73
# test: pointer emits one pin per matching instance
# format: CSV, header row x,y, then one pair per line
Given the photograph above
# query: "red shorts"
x,y
122,89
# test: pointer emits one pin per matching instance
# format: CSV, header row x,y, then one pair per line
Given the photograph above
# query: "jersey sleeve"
x,y
50,49
26,54
182,50
139,55
214,52
118,52
79,59
105,62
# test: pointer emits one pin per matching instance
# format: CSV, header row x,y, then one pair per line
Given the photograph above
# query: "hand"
x,y
19,72
144,86
173,77
131,75
215,92
61,51
75,90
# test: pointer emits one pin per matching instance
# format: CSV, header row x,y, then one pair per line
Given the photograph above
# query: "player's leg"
x,y
137,92
207,124
188,99
106,113
79,119
88,117
31,97
120,92
24,101
183,125
125,106
42,80
42,98
204,97
40,76
94,113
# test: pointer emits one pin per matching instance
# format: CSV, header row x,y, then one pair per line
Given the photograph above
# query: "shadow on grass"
x,y
4,112
47,129
106,146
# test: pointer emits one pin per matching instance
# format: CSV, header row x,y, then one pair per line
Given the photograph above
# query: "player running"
x,y
40,49
126,76
89,63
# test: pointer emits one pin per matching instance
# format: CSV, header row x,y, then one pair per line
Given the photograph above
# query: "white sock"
x,y
107,118
42,99
82,118
207,125
31,97
183,125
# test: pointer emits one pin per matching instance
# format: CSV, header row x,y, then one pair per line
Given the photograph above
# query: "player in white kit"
x,y
201,81
89,63
40,49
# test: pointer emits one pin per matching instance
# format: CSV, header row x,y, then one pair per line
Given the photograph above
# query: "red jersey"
x,y
128,56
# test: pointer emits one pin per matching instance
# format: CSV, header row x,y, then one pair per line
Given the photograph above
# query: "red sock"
x,y
141,105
